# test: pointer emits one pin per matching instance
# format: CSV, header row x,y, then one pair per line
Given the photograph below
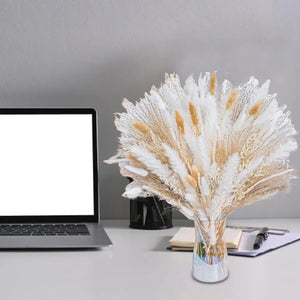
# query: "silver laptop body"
x,y
49,194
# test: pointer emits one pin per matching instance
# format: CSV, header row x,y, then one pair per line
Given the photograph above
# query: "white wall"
x,y
56,53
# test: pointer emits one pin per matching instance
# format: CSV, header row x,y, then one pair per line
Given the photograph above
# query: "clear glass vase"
x,y
210,252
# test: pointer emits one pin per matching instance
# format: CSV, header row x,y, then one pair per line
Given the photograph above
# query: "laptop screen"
x,y
46,164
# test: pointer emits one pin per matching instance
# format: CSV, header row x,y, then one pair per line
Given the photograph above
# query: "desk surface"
x,y
138,266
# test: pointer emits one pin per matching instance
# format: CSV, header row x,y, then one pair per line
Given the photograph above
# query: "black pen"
x,y
261,236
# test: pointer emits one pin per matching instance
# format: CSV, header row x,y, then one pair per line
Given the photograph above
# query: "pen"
x,y
261,236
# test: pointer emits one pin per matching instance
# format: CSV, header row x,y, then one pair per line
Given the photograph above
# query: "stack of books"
x,y
184,239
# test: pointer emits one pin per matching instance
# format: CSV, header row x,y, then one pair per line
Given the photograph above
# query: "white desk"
x,y
138,266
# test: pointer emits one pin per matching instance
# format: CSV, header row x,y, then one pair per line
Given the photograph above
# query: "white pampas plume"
x,y
190,86
245,174
134,190
212,173
240,122
283,151
269,178
187,212
152,164
176,163
156,100
179,167
119,157
137,171
133,193
191,199
202,153
156,167
204,186
225,186
128,105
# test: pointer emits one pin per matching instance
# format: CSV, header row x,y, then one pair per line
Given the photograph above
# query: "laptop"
x,y
49,179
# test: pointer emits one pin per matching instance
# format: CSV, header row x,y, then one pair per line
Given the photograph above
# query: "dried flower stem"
x,y
192,182
141,127
194,118
254,110
195,172
231,99
179,121
132,158
193,113
212,83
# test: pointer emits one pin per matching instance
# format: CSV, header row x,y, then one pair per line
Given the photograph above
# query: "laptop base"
x,y
97,238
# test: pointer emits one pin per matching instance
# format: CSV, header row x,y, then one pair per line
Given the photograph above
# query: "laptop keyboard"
x,y
43,229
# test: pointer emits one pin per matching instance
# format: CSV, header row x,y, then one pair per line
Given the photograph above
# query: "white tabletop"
x,y
138,266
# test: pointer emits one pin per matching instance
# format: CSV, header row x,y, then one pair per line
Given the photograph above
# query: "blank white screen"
x,y
46,165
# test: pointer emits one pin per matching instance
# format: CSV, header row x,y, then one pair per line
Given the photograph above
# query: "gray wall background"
x,y
86,53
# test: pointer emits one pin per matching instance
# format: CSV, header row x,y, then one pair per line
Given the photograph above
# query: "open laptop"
x,y
48,179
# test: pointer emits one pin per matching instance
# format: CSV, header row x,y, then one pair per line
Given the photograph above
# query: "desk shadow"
x,y
162,244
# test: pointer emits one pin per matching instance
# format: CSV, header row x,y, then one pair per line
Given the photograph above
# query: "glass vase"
x,y
210,252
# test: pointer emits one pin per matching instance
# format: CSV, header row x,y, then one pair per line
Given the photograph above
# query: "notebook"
x,y
184,239
238,243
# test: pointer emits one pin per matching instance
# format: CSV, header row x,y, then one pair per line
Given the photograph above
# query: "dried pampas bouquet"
x,y
207,150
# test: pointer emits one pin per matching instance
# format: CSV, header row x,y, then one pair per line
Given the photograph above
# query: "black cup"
x,y
150,213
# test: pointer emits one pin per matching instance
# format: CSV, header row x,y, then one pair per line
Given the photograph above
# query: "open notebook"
x,y
184,239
